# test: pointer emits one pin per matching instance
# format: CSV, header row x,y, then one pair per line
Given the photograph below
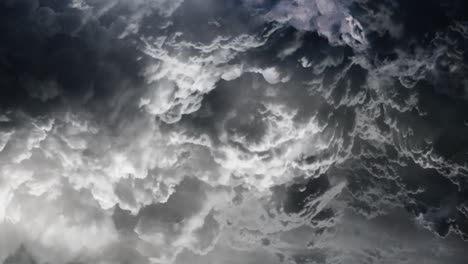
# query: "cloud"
x,y
251,131
332,19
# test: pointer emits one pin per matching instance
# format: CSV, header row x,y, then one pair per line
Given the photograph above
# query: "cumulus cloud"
x,y
232,131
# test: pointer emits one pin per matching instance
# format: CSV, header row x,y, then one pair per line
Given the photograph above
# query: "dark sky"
x,y
233,132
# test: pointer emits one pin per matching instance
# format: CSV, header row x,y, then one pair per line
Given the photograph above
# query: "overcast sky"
x,y
233,132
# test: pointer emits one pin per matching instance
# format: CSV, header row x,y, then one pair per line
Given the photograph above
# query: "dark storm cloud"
x,y
233,131
428,53
56,58
21,256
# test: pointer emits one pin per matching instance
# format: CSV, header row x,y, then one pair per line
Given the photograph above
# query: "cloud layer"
x,y
254,131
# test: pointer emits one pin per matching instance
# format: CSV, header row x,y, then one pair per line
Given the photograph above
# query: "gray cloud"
x,y
233,132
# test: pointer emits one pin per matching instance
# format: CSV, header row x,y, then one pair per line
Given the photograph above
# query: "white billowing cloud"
x,y
69,168
271,75
305,63
177,83
330,18
158,99
79,4
77,171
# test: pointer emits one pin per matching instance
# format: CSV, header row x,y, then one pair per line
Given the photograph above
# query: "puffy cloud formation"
x,y
253,131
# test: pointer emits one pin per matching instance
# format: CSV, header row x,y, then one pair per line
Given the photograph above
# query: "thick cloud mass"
x,y
237,131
